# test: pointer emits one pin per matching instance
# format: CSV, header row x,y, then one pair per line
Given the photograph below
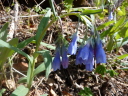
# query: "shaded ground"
x,y
65,82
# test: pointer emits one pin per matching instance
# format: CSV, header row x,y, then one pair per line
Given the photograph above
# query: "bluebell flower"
x,y
64,57
73,45
85,52
78,58
99,52
90,61
110,17
56,61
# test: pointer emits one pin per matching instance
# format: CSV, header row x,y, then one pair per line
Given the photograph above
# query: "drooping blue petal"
x,y
85,52
56,61
90,61
78,58
110,17
75,37
64,58
89,67
72,48
99,52
73,45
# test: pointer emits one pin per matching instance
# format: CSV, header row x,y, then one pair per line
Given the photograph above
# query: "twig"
x,y
19,72
13,25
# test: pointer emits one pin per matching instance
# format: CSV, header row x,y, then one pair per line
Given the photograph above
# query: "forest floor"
x,y
64,82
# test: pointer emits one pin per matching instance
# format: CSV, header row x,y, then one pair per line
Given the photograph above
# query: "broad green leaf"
x,y
39,69
25,42
105,33
110,44
86,92
121,42
123,31
48,45
22,80
112,73
20,91
6,52
105,25
43,23
45,45
100,69
7,45
2,91
3,32
68,4
47,61
122,56
117,25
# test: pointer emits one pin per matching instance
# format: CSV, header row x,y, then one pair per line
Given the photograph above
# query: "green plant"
x,y
41,31
86,92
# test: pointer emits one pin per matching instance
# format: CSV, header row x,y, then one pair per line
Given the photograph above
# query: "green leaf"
x,y
85,11
86,92
39,69
22,80
25,42
117,25
86,20
53,8
20,91
105,25
3,32
122,56
105,33
7,45
45,45
6,52
123,31
68,4
126,68
110,44
48,45
100,69
40,31
2,91
29,72
47,61
112,73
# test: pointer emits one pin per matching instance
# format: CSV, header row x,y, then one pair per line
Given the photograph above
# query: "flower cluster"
x,y
86,54
56,64
89,52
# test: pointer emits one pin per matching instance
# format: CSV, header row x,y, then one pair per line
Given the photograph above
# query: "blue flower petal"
x,y
64,58
90,61
56,61
89,67
99,52
72,48
85,52
73,45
